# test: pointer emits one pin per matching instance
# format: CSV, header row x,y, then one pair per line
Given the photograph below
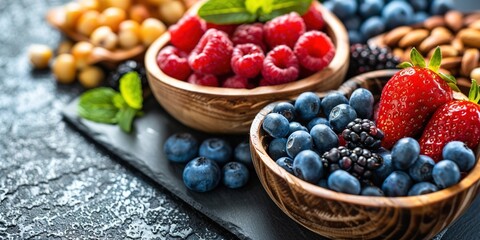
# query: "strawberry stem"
x,y
474,94
417,58
435,60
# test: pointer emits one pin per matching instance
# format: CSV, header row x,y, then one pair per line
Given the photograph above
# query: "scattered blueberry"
x,y
355,37
297,142
315,121
286,109
372,191
277,148
397,184
362,101
216,149
352,23
276,125
343,8
419,5
440,7
340,116
181,147
201,174
296,126
324,138
234,175
342,181
419,17
242,153
286,163
369,8
421,170
386,169
458,152
308,166
445,174
405,152
307,106
371,27
323,183
397,13
331,100
422,188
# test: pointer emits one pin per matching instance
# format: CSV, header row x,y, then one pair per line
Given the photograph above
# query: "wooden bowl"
x,y
226,110
344,216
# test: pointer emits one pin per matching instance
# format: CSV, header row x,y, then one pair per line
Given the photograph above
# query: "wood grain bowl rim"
x,y
334,28
256,141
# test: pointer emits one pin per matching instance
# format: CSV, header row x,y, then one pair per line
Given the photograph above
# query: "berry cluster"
x,y
365,58
279,51
209,163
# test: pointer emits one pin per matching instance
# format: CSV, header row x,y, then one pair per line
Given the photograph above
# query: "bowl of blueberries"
x,y
321,160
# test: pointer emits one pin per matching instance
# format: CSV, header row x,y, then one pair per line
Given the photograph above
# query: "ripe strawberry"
x,y
457,120
411,96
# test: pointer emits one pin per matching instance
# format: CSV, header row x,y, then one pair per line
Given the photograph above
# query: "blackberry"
x,y
113,79
359,162
364,58
363,133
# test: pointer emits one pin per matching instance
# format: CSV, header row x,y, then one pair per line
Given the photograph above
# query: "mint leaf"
x,y
125,118
435,60
253,6
280,7
417,58
404,65
97,105
227,12
118,101
131,90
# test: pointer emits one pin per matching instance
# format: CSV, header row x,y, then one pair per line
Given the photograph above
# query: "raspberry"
x,y
285,29
204,80
186,33
315,50
247,60
227,28
212,54
313,19
174,63
249,33
280,66
235,82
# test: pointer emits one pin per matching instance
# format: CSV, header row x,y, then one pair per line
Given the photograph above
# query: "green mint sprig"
x,y
105,105
247,11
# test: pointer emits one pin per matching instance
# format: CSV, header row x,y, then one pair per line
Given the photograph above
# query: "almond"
x,y
469,61
458,44
392,38
470,37
475,24
447,51
432,41
398,52
454,20
441,31
413,38
433,22
471,18
450,63
475,73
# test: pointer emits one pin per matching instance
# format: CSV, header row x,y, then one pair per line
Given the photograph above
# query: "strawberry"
x,y
458,120
411,96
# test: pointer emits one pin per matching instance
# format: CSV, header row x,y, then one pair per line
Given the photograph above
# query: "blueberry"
x,y
344,9
317,120
181,147
201,174
371,27
440,7
331,100
385,169
422,188
405,152
342,181
397,184
286,109
276,125
446,173
296,126
323,183
297,142
458,152
286,163
308,166
234,175
362,101
307,106
372,191
340,116
421,170
419,17
352,23
419,5
324,138
277,148
397,13
369,8
355,37
216,149
242,153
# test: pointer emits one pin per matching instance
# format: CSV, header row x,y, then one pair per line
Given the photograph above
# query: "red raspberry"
x,y
314,50
204,80
313,19
280,66
247,60
186,33
249,33
236,82
212,54
174,63
227,28
285,29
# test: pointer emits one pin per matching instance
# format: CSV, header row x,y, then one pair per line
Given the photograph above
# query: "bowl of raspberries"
x,y
391,154
215,77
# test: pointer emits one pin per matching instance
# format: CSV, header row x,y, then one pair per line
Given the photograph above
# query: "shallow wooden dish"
x,y
226,110
344,216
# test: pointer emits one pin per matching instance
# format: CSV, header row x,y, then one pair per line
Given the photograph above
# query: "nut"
x,y
40,55
475,24
471,18
64,68
413,38
470,37
392,38
438,31
469,61
450,63
475,73
398,52
458,44
91,76
432,41
447,51
433,22
454,20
